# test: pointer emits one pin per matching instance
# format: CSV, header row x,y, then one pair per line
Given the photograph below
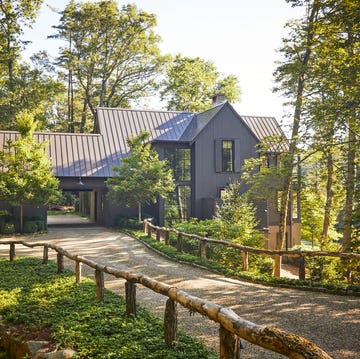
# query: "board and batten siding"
x,y
207,148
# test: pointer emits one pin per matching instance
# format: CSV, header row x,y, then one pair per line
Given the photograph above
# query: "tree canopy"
x,y
191,83
142,177
26,176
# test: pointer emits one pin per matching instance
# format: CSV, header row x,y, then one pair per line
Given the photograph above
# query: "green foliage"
x,y
141,178
125,221
30,227
32,294
8,228
190,84
27,177
260,276
110,58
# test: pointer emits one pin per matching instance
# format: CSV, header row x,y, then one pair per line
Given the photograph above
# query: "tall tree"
x,y
142,177
112,56
18,84
190,84
26,176
292,76
13,15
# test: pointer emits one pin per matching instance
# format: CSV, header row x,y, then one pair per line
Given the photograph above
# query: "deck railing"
x,y
164,233
232,326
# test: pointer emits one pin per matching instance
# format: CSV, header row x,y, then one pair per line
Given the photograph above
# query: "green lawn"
x,y
32,294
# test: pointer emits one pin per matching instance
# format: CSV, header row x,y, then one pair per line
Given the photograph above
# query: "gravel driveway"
x,y
331,321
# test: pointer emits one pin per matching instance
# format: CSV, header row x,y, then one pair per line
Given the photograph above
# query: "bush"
x,y
8,228
30,227
124,221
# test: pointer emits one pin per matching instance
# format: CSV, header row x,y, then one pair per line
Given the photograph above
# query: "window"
x,y
178,205
227,156
180,161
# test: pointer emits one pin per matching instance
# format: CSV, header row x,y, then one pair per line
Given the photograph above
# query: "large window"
x,y
180,161
178,205
227,155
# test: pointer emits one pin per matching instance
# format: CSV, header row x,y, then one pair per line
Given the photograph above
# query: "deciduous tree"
x,y
191,83
141,177
112,56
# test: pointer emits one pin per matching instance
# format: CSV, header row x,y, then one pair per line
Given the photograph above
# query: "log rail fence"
x,y
232,327
163,232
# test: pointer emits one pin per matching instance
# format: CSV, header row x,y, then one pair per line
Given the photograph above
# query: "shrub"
x,y
8,228
125,221
30,227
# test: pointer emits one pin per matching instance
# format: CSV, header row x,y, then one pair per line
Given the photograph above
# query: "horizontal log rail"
x,y
232,326
149,228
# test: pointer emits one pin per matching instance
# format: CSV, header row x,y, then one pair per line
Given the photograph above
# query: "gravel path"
x,y
331,321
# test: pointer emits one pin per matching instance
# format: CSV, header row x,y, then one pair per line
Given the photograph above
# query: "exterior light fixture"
x,y
81,183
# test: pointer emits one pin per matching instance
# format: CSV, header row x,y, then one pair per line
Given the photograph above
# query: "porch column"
x,y
92,206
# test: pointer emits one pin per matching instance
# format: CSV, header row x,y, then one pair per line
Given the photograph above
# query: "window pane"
x,y
227,156
180,161
178,205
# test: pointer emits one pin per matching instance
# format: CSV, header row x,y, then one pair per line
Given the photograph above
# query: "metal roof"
x,y
267,128
94,155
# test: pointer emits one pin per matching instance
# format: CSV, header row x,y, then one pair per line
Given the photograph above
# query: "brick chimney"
x,y
218,99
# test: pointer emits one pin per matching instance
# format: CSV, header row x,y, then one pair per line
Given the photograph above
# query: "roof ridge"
x,y
145,110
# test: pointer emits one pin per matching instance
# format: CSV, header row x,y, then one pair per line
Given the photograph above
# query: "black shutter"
x,y
218,156
237,156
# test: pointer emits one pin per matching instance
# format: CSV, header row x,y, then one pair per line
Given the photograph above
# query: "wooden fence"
x,y
163,232
232,326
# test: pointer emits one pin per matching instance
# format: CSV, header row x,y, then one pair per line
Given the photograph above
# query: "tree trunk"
x,y
350,189
139,212
329,198
21,218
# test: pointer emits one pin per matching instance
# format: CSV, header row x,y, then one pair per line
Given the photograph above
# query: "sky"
x,y
241,37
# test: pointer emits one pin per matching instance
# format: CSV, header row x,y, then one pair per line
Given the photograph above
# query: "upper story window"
x,y
227,155
180,161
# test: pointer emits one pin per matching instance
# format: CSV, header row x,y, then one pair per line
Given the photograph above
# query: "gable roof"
x,y
94,155
267,127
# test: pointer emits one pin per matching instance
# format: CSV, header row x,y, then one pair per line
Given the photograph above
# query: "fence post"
x,y
99,279
202,248
60,262
170,322
78,266
302,268
230,344
158,234
179,244
45,255
12,252
245,261
130,295
277,266
167,237
145,226
149,231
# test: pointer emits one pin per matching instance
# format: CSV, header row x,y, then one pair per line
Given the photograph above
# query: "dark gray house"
x,y
206,151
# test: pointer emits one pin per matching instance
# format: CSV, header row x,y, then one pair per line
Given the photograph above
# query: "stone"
x,y
61,354
33,346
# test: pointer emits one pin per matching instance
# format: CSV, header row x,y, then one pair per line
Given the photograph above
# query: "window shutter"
x,y
237,156
218,156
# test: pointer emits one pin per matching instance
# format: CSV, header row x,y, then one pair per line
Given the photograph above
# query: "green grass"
x,y
34,295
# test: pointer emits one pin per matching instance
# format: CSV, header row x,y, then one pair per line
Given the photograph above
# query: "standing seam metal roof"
x,y
94,155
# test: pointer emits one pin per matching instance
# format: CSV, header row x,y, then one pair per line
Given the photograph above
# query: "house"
x,y
206,151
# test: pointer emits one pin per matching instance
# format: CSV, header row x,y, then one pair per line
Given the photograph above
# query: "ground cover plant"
x,y
263,278
35,297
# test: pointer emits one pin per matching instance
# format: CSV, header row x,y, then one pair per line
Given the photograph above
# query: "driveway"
x,y
331,321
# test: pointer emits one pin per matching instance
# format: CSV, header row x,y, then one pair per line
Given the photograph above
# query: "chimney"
x,y
218,99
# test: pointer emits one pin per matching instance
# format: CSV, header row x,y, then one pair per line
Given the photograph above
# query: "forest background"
x,y
111,57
